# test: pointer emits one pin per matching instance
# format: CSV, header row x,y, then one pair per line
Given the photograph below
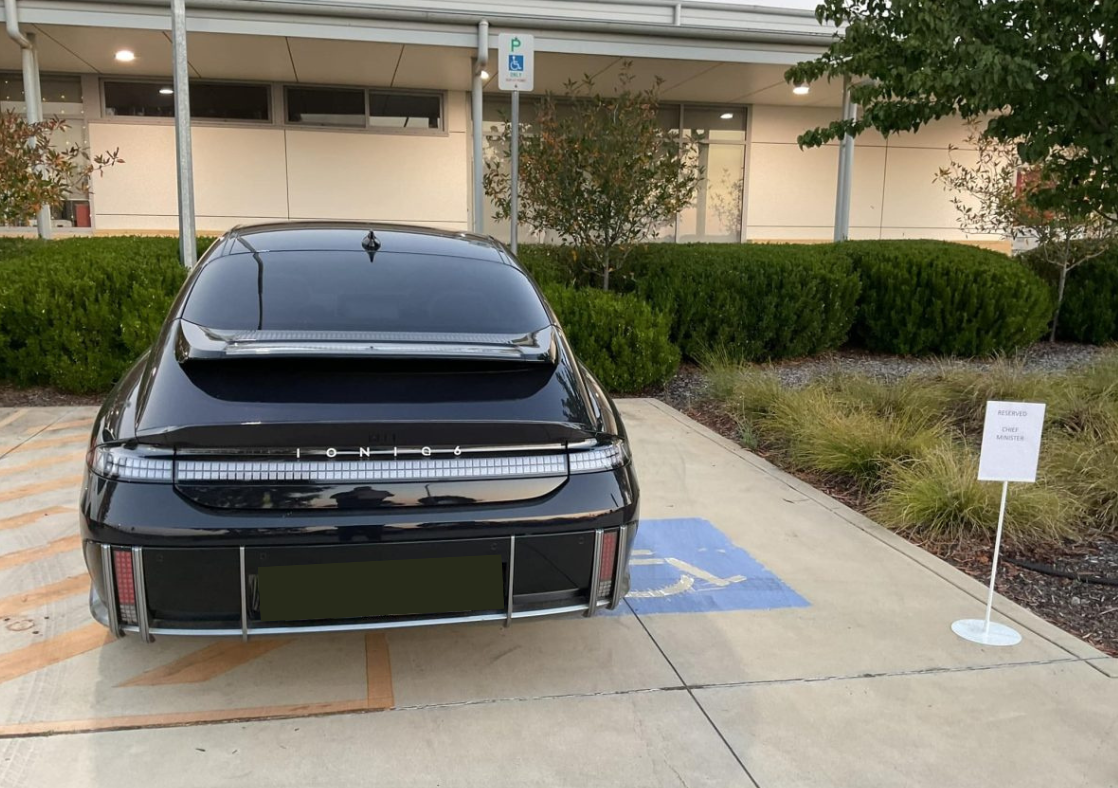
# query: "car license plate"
x,y
366,589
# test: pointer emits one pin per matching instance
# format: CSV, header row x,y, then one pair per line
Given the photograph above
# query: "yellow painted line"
x,y
378,672
16,493
20,557
4,422
41,463
173,719
65,425
46,443
206,663
52,651
17,604
20,520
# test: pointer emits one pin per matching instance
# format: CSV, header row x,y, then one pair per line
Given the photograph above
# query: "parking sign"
x,y
515,61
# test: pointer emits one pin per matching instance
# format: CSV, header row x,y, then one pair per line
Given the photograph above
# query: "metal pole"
x,y
476,90
845,168
33,101
188,245
997,551
514,200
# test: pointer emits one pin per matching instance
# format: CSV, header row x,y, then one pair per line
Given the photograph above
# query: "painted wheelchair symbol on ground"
x,y
689,566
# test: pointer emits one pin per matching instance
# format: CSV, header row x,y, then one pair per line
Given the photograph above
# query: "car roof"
x,y
322,236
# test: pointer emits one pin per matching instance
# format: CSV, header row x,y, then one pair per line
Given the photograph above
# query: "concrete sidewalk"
x,y
836,666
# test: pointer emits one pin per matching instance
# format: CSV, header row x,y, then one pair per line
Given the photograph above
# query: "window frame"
x,y
441,131
113,118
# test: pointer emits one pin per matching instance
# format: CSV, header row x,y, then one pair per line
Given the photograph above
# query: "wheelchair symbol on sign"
x,y
689,573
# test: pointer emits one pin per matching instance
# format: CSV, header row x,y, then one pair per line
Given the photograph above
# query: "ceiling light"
x,y
802,89
125,55
727,116
166,91
484,74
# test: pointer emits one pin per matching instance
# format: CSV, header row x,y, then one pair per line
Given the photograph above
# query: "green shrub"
x,y
749,301
618,337
1086,466
1090,309
549,265
76,313
935,297
938,497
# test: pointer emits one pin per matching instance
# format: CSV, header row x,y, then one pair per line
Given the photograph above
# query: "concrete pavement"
x,y
859,682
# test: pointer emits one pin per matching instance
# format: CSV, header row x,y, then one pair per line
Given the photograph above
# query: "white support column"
x,y
33,100
184,159
845,168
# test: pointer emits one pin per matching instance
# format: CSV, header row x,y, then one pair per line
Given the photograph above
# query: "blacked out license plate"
x,y
367,589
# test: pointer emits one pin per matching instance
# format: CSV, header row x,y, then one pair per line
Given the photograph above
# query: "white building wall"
x,y
251,174
791,192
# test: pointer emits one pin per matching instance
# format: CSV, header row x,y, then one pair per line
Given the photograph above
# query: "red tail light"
x,y
608,563
125,583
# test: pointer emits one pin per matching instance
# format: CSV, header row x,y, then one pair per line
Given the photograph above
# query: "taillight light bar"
x,y
607,564
125,583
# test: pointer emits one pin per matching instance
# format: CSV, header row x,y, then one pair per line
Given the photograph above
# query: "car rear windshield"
x,y
348,291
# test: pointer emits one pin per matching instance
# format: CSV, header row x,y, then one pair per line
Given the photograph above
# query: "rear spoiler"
x,y
199,342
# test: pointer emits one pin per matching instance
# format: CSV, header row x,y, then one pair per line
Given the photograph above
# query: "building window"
x,y
208,100
719,137
326,107
389,109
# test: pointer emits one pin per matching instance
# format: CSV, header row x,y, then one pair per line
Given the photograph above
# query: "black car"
x,y
344,426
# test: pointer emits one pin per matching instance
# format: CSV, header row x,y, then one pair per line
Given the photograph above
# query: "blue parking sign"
x,y
689,566
516,62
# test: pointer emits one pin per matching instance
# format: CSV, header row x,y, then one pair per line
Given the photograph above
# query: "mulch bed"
x,y
41,396
1087,610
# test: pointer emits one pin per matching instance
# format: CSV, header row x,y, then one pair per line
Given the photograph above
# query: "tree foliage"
x,y
33,173
997,194
1042,70
598,170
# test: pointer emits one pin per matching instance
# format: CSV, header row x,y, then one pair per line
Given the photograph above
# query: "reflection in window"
x,y
208,100
405,110
326,106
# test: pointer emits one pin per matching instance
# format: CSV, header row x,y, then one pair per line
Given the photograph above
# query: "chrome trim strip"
x,y
110,589
141,594
265,630
512,575
619,565
244,597
595,575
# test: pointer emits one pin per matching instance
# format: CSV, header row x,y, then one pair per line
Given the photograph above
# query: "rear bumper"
x,y
215,591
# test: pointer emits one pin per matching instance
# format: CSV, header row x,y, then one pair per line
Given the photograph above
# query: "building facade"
x,y
358,109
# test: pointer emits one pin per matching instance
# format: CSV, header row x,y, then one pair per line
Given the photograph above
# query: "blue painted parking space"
x,y
687,565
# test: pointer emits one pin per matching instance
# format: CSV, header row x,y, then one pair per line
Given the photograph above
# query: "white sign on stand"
x,y
1011,442
1010,453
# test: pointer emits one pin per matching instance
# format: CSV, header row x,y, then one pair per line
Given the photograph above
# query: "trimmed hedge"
x,y
942,298
76,313
619,337
1090,310
751,301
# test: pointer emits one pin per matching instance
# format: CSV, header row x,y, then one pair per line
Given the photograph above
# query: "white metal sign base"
x,y
987,633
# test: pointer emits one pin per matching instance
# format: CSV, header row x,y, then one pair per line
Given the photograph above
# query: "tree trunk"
x,y
605,273
1059,301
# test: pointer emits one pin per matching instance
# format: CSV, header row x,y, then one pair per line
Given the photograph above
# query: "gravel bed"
x,y
1041,357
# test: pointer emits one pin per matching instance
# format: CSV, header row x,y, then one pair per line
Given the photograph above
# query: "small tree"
x,y
998,194
598,170
34,174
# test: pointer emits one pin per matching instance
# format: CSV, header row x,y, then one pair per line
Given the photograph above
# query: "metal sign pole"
x,y
188,246
514,201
